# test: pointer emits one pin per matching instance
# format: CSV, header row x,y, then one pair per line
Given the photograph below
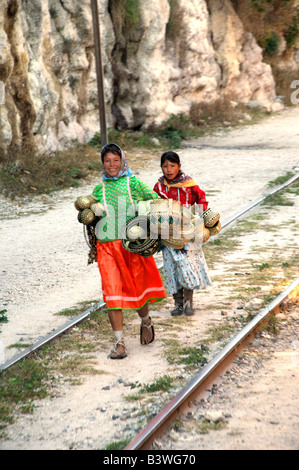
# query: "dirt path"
x,y
44,270
255,407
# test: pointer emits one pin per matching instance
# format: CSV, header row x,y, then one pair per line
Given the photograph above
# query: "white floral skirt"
x,y
185,268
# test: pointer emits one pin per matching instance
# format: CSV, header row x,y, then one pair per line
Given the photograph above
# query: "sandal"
x,y
119,351
149,328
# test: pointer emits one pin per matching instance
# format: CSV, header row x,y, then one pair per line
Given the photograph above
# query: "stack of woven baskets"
x,y
89,212
137,238
158,221
167,222
212,221
89,209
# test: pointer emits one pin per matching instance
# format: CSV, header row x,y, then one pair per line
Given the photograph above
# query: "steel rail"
x,y
207,375
84,315
50,337
259,200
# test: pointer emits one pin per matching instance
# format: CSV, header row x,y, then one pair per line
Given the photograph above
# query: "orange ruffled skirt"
x,y
128,280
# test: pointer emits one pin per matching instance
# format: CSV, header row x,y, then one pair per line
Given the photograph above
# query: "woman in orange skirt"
x,y
129,281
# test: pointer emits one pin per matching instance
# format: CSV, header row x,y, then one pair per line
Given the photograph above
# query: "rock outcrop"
x,y
158,60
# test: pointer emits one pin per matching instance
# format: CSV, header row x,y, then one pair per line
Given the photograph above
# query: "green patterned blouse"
x,y
120,198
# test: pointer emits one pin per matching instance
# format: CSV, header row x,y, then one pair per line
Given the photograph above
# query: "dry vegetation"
x,y
275,26
24,173
33,173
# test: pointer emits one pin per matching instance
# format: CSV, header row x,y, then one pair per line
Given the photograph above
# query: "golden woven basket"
x,y
216,229
84,202
143,248
165,207
92,198
210,218
86,216
177,239
202,233
136,232
136,228
164,213
97,208
205,234
176,243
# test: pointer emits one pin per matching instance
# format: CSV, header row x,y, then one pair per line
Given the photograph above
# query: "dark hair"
x,y
171,156
110,148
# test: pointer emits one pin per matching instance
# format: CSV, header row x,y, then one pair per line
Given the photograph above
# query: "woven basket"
x,y
165,207
188,231
136,237
216,229
92,199
136,228
144,207
97,208
210,218
164,213
176,243
84,202
150,250
205,234
86,216
136,232
186,215
145,248
202,233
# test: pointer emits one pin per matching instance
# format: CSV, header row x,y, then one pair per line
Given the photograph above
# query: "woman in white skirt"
x,y
184,269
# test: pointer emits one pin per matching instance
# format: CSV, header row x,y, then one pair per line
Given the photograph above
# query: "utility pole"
x,y
99,71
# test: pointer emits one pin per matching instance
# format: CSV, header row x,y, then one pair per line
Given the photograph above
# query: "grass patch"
x,y
280,179
219,333
263,266
168,135
205,426
29,173
19,345
118,445
277,199
191,357
20,385
161,384
3,316
32,173
77,309
281,198
215,249
68,358
272,325
72,355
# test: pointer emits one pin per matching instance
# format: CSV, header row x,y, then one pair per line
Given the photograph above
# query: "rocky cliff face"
x,y
159,58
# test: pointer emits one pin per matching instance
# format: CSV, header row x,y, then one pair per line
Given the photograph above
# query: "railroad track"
x,y
198,386
84,315
207,376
